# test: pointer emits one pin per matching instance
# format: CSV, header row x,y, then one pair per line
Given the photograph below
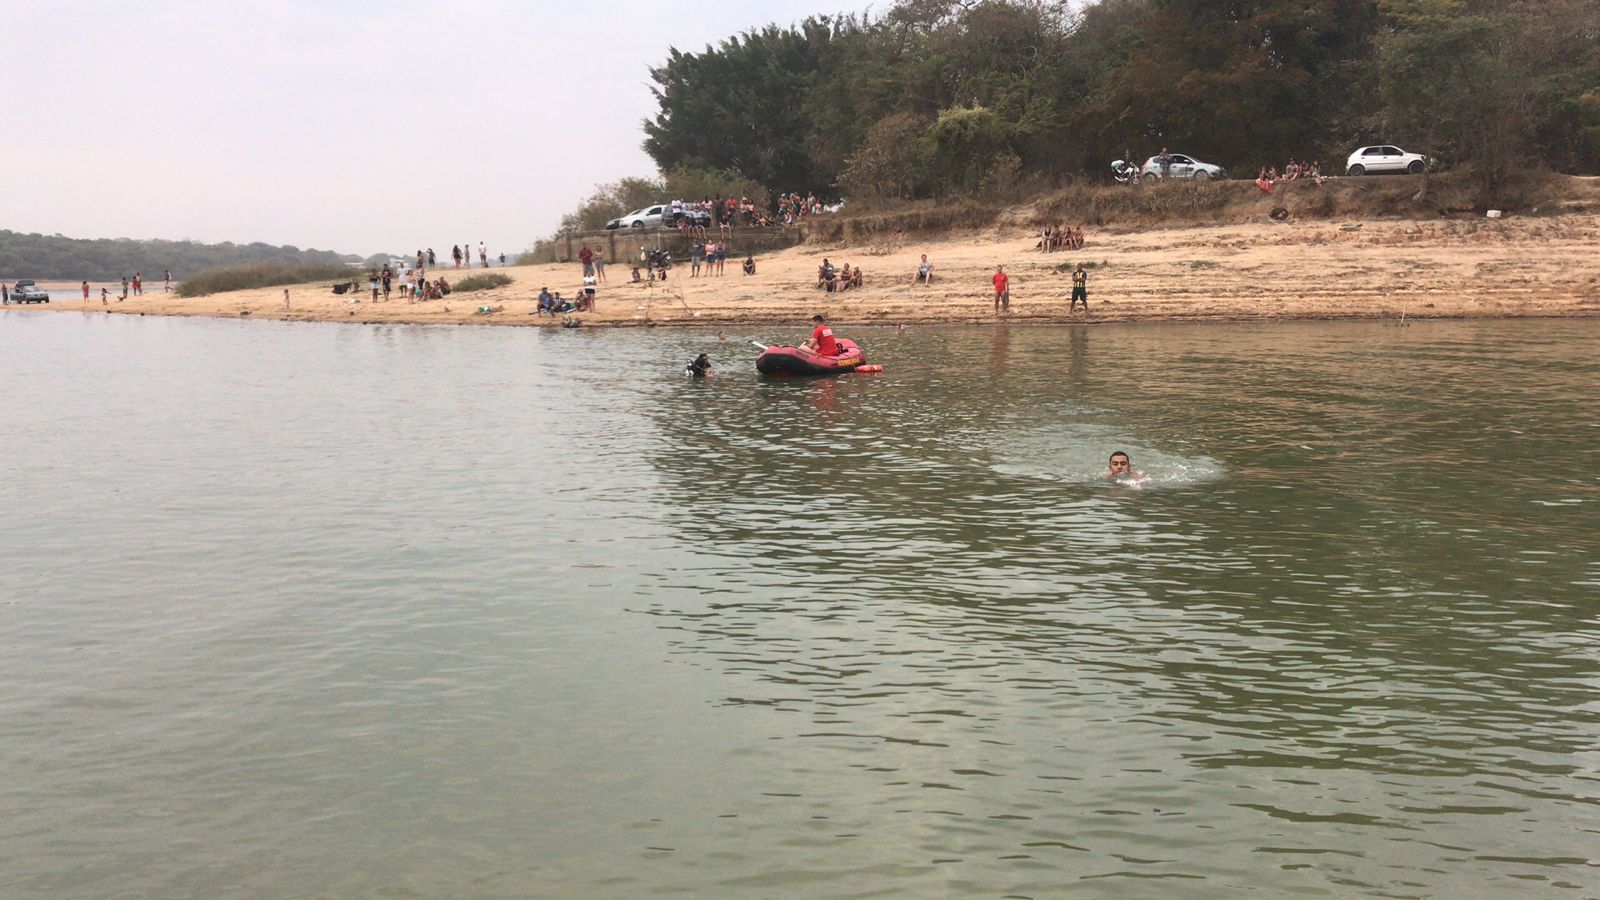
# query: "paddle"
x,y
759,344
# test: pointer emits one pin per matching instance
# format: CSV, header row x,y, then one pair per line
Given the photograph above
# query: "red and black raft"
x,y
795,361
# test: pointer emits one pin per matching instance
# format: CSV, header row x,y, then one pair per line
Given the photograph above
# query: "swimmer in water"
x,y
700,368
1120,471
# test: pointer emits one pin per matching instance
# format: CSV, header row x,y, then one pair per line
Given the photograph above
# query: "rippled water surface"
x,y
299,609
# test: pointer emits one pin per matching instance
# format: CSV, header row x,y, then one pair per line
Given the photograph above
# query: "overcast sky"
x,y
352,125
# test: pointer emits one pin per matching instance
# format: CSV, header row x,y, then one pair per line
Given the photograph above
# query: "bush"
x,y
482,282
258,275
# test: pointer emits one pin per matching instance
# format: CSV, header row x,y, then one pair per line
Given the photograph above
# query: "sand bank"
x,y
1544,266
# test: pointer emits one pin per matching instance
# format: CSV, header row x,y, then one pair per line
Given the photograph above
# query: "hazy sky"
x,y
352,125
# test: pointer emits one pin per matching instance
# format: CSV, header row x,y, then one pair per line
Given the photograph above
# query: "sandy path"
x,y
1547,266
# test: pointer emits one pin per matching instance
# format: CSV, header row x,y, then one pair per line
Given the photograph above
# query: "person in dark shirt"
x,y
700,367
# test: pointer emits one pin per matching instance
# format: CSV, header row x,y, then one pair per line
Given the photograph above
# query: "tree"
x,y
892,163
1452,79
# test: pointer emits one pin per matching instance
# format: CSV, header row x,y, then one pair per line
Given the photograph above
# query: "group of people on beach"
x,y
463,253
712,255
552,304
1294,171
412,284
835,280
1059,237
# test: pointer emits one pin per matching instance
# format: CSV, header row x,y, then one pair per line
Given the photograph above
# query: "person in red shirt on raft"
x,y
821,341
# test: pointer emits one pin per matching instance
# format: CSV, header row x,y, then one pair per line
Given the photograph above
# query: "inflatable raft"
x,y
795,361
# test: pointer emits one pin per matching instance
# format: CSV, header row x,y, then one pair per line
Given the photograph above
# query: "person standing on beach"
x,y
372,283
483,255
432,260
138,284
86,291
105,296
455,254
1002,290
599,264
166,285
285,298
586,256
1080,290
5,295
388,279
124,289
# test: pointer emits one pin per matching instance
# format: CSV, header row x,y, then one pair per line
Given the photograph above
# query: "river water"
x,y
295,609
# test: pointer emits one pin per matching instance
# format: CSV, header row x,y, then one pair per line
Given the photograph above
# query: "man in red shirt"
x,y
821,341
1002,290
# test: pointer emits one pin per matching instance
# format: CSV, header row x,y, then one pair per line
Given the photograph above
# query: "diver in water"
x,y
1120,471
700,368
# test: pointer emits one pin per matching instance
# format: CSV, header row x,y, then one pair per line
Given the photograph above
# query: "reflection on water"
x,y
435,611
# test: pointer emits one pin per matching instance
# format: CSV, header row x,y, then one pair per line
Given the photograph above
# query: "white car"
x,y
1384,158
648,217
1181,166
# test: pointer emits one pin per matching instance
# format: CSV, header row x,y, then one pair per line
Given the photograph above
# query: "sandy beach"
x,y
1323,268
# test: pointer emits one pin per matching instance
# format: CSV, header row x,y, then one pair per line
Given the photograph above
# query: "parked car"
x,y
1384,158
660,214
26,291
640,218
1180,165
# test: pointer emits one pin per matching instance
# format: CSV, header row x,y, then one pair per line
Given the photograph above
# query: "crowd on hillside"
x,y
695,218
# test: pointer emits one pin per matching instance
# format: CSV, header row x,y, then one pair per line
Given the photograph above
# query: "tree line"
x,y
952,98
43,257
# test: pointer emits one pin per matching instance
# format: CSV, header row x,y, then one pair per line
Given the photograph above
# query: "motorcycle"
x,y
1125,172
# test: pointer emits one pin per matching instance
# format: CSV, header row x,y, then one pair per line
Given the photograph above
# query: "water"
x,y
299,609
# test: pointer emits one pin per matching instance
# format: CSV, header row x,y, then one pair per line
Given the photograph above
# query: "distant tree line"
x,y
949,98
107,259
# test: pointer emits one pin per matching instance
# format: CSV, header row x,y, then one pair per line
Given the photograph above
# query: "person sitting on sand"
x,y
1120,471
846,278
855,278
825,274
1262,181
546,302
924,271
637,278
749,265
821,341
1314,172
700,367
442,286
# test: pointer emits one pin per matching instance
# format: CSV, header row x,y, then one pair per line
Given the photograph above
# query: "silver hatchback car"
x,y
1181,165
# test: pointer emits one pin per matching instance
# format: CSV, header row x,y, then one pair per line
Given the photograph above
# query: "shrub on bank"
x,y
481,282
265,274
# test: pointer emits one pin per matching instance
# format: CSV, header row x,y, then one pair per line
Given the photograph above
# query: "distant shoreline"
x,y
1515,267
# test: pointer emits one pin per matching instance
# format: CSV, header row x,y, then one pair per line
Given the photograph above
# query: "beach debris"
x,y
1492,214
